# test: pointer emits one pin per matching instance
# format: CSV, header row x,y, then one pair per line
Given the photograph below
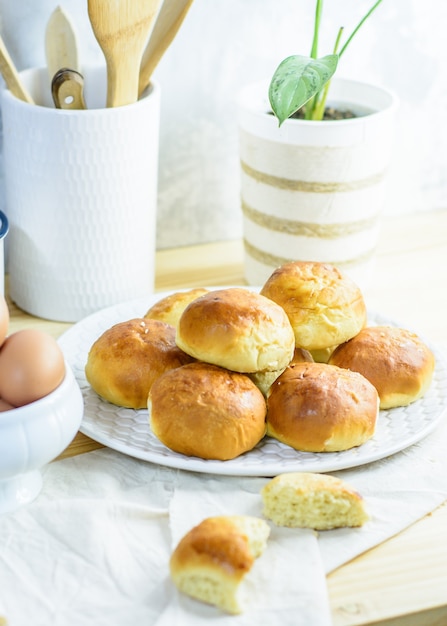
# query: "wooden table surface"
x,y
404,580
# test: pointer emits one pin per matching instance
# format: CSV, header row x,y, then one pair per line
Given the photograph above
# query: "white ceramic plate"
x,y
128,431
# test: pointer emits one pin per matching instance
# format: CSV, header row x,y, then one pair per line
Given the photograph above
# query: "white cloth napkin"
x,y
93,549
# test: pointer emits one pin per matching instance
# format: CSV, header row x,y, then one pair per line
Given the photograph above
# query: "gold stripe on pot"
x,y
274,261
306,229
308,186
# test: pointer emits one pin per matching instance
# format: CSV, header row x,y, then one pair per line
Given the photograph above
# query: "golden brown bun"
x,y
324,306
211,560
315,407
396,361
127,358
307,500
170,308
237,329
206,411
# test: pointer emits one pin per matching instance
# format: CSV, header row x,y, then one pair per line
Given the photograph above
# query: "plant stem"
x,y
321,105
310,106
318,11
318,112
339,34
364,18
318,108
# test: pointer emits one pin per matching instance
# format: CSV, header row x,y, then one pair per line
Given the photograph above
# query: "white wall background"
x,y
224,44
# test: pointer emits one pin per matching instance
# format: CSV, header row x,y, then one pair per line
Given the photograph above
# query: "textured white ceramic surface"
x,y
33,435
81,198
314,190
128,431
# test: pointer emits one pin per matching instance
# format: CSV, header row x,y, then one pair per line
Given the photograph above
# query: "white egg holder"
x,y
32,436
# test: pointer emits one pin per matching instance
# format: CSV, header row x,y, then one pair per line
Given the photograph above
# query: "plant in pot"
x,y
314,150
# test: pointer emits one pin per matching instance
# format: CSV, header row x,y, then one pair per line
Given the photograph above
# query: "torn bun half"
x,y
212,559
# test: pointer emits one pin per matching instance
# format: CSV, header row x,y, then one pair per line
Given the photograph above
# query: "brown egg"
x,y
4,319
31,366
5,406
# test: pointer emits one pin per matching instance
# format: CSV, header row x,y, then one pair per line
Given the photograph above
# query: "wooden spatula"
x,y
11,75
121,28
61,46
169,19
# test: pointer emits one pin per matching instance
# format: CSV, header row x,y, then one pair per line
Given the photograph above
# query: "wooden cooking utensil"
x,y
122,28
11,76
169,19
61,46
67,88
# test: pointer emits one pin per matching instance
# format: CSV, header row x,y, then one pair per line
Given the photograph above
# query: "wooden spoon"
x,y
169,19
121,28
11,76
61,46
67,88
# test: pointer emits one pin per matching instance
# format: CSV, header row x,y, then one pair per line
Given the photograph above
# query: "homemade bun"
x,y
264,380
127,358
324,306
237,329
206,411
170,308
211,560
315,407
307,500
396,361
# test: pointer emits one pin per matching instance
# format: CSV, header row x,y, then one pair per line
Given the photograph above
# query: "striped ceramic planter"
x,y
313,190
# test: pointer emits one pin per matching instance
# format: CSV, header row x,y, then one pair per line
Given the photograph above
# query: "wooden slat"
x,y
216,264
80,445
403,577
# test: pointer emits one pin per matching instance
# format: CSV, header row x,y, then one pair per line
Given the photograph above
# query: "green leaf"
x,y
297,80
